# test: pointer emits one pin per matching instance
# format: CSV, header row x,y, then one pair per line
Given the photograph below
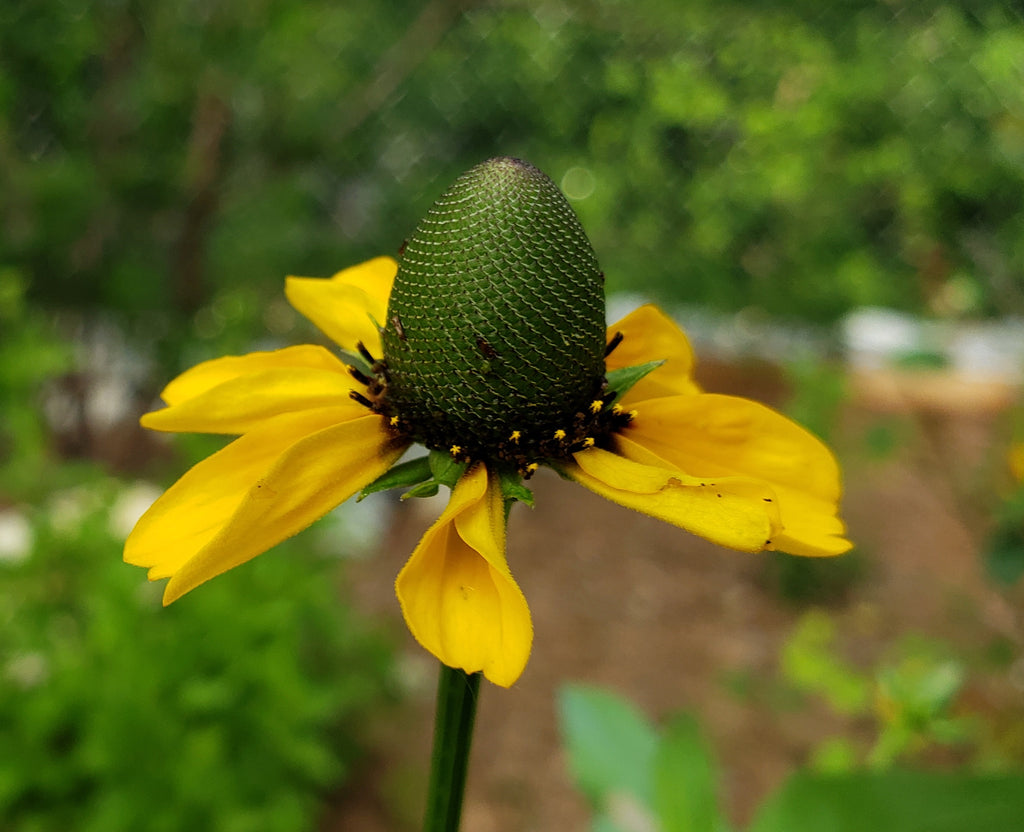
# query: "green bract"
x,y
495,325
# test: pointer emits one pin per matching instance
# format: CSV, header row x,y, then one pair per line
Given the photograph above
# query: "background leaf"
x,y
685,780
897,801
611,745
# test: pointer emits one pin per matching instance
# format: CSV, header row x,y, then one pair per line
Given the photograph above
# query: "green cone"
x,y
496,319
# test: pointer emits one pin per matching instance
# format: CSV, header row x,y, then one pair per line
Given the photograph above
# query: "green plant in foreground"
x,y
909,696
637,777
122,717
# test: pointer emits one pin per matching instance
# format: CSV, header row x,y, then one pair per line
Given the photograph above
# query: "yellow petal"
x,y
648,334
349,307
262,488
204,377
198,505
243,403
811,527
458,596
730,511
711,435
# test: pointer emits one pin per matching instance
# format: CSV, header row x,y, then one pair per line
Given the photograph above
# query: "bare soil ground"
x,y
624,601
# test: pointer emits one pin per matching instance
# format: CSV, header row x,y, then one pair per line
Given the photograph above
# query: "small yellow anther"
x,y
394,421
559,434
616,409
455,450
533,466
632,414
515,436
596,405
588,442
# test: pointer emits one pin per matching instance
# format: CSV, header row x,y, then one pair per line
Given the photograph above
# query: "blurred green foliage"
x,y
235,710
637,776
910,696
165,158
31,353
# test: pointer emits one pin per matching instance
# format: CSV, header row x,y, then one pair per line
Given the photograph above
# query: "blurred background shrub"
x,y
239,710
236,711
161,159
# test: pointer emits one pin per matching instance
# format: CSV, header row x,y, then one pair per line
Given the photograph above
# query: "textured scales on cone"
x,y
495,335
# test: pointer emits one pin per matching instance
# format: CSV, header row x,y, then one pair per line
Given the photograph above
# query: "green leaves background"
x,y
637,777
795,157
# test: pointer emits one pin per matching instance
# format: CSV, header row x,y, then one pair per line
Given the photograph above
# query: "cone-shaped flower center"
x,y
495,336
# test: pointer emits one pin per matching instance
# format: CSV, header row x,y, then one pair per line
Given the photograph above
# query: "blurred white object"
x,y
874,336
16,536
130,505
989,350
28,670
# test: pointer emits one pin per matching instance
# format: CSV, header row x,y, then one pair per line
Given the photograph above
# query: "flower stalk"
x,y
457,693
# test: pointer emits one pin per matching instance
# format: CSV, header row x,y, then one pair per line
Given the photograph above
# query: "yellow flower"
x,y
311,434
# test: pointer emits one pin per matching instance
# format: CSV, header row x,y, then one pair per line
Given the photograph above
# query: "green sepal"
x,y
622,380
400,476
424,489
512,488
423,476
357,361
446,470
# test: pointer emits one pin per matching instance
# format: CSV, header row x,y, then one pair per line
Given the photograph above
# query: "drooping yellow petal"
x,y
711,435
262,488
730,511
349,307
650,335
241,404
199,504
203,377
458,596
313,476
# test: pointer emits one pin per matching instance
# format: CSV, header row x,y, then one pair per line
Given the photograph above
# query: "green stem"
x,y
457,693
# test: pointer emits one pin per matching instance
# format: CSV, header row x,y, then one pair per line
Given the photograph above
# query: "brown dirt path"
x,y
624,601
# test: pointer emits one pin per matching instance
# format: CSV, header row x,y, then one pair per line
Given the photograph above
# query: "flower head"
x,y
484,343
